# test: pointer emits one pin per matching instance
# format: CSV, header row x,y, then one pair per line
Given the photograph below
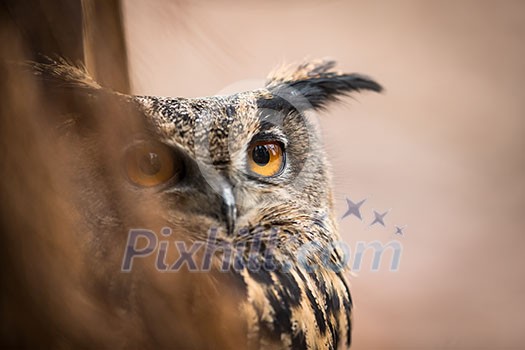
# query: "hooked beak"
x,y
229,209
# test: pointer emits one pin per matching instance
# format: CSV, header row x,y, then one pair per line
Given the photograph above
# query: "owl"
x,y
192,223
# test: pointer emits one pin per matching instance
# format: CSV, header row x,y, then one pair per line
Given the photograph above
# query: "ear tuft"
x,y
62,73
316,83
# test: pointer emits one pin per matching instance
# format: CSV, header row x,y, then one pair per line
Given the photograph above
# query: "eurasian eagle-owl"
x,y
244,174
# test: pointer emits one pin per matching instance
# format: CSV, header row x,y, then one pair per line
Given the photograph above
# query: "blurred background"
x,y
442,147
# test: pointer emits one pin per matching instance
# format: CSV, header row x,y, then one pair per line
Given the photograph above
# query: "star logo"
x,y
399,230
353,209
379,218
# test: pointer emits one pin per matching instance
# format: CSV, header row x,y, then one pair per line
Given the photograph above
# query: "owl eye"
x,y
149,164
266,158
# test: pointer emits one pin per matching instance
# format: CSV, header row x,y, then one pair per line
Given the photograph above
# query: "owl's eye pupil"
x,y
150,164
260,155
266,158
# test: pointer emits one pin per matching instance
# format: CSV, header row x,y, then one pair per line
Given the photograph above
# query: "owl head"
x,y
232,162
254,158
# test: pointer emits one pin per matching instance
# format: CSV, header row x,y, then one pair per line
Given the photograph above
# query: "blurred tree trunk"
x,y
90,32
43,303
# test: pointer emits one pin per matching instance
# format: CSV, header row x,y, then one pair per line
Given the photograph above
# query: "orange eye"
x,y
266,158
150,164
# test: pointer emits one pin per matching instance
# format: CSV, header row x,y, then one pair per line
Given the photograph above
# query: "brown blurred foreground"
x,y
63,219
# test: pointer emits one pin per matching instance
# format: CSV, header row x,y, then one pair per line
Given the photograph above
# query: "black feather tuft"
x,y
312,86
